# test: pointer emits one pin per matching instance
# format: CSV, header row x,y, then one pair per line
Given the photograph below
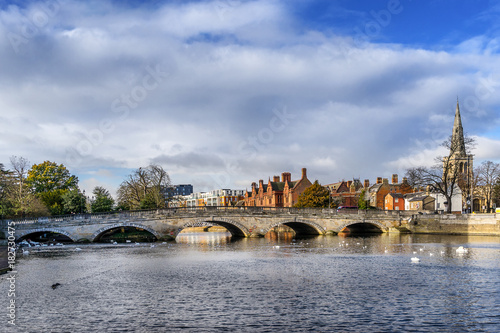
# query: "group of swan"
x,y
459,250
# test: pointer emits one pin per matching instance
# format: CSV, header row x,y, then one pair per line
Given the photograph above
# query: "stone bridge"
x,y
240,221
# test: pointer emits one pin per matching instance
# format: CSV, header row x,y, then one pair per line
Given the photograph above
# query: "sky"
x,y
224,93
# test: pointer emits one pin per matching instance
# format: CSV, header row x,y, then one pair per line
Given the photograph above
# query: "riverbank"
x,y
452,224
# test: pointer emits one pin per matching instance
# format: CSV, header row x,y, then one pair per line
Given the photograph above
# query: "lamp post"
x,y
83,204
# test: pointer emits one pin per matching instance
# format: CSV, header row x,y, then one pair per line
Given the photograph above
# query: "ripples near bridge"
x,y
324,284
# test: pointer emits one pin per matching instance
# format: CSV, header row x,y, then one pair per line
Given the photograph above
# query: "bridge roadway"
x,y
240,221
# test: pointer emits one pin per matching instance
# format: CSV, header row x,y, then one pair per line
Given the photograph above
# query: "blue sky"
x,y
223,93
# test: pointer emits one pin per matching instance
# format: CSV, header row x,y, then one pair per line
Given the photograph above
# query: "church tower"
x,y
459,158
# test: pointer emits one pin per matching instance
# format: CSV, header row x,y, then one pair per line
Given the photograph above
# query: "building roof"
x,y
396,195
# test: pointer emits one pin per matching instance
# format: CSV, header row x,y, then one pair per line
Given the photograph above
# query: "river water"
x,y
207,283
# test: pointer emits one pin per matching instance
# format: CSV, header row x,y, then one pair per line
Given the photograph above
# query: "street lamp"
x,y
83,204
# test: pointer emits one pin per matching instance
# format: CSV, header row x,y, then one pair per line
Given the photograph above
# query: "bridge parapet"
x,y
209,210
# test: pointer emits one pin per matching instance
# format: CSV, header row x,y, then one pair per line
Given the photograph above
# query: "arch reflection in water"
x,y
204,238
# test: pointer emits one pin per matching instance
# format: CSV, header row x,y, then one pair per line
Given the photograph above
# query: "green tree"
x,y
102,201
314,196
362,202
50,181
74,202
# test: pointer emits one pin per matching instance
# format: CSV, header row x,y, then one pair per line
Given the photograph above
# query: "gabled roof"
x,y
396,195
277,186
420,198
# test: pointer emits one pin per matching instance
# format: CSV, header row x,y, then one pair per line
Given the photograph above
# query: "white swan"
x,y
415,259
461,249
26,252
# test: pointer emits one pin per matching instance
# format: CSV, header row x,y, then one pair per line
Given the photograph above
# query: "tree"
x,y
362,202
444,176
5,188
17,199
102,201
50,181
314,196
487,176
145,188
74,202
49,176
496,193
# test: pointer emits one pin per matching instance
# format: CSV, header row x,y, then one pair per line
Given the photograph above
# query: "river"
x,y
208,283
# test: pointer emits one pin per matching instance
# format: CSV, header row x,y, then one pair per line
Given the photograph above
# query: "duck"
x,y
55,285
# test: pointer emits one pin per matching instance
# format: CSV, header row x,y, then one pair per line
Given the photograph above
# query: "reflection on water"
x,y
204,238
325,284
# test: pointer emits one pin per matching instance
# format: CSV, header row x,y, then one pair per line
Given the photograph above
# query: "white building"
x,y
222,197
456,201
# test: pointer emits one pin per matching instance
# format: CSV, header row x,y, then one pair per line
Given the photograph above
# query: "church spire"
x,y
457,138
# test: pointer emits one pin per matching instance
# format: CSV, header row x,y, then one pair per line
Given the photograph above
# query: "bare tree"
x,y
144,188
444,176
487,175
21,201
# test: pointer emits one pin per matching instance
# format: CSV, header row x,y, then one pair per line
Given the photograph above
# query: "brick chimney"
x,y
304,173
254,185
286,176
367,183
276,179
379,180
385,181
394,178
349,182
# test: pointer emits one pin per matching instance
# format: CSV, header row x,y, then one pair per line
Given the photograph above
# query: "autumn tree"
x,y
314,196
102,201
50,181
144,188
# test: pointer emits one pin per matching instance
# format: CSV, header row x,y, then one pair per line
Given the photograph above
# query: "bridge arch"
x,y
380,226
301,227
235,228
96,235
23,233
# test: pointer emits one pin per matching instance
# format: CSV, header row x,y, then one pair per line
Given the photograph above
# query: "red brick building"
x,y
378,191
277,193
394,201
346,193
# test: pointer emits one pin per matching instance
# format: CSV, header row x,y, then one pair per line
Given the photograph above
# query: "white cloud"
x,y
227,66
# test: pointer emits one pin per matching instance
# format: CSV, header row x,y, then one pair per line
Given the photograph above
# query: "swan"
x,y
26,252
415,259
78,249
461,249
